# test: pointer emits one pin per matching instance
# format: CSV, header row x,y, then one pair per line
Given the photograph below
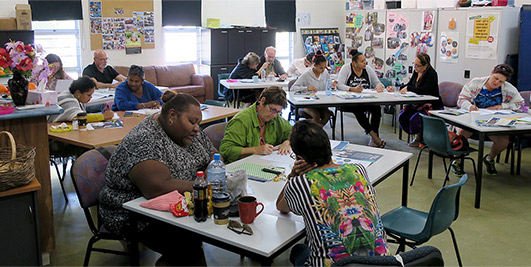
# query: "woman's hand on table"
x,y
473,108
108,115
390,89
497,107
264,150
301,167
334,84
356,89
154,104
403,90
312,88
284,148
379,88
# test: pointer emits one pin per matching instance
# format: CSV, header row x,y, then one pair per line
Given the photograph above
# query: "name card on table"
x,y
41,97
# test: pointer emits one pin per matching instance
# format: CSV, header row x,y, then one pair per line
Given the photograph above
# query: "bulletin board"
x,y
121,24
328,41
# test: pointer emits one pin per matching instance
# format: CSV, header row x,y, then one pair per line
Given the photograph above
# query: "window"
x,y
61,38
181,45
284,46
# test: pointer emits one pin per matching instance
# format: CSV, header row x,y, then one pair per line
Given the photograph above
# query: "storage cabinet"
x,y
25,36
19,227
221,48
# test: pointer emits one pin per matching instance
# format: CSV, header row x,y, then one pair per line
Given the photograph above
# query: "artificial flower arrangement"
x,y
24,60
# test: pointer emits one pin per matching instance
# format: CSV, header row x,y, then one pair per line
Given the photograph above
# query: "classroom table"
x,y
104,95
113,136
323,100
237,85
273,232
464,121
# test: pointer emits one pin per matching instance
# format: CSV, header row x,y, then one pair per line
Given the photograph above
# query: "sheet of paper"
x,y
276,157
369,91
320,93
271,209
303,99
115,116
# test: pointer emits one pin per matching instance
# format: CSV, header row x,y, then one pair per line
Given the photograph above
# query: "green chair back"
x,y
216,103
386,82
434,134
444,210
222,76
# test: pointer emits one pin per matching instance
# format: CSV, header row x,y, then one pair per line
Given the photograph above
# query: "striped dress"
x,y
71,107
339,209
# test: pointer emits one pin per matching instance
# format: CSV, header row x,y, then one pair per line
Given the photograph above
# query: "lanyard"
x,y
262,131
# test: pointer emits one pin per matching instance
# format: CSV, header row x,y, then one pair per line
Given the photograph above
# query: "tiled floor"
x,y
497,234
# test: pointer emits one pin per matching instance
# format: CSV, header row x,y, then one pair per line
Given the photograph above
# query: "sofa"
x,y
180,78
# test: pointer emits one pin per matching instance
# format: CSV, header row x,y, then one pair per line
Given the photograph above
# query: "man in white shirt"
x,y
301,65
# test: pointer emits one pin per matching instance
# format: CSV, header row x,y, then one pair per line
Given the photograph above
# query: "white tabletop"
x,y
273,232
250,85
379,98
464,120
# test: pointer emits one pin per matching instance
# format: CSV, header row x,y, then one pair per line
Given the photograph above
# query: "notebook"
x,y
62,85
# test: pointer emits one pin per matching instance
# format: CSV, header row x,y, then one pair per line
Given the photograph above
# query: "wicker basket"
x,y
16,165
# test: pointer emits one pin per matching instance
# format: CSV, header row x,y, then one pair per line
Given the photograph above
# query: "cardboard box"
x,y
8,24
46,97
23,16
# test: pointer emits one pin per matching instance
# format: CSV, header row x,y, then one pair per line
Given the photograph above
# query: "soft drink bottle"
x,y
200,198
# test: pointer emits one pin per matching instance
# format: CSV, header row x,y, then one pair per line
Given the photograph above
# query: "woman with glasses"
x,y
424,81
246,69
258,129
313,81
58,73
337,203
491,92
354,78
135,93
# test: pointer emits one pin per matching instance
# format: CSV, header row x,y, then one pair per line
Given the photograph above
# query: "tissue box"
x,y
41,97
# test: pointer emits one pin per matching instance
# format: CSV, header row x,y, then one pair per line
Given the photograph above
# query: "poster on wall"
x,y
354,5
397,44
427,21
95,9
449,51
482,35
421,41
327,40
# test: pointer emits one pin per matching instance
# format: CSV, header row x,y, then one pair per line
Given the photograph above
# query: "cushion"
x,y
194,90
150,75
449,92
175,75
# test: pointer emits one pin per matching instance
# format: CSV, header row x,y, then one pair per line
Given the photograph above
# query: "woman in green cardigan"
x,y
258,129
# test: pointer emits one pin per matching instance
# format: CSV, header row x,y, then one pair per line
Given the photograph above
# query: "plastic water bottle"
x,y
216,175
263,74
200,198
397,87
328,87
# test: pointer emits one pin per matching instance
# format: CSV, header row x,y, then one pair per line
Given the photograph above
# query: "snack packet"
x,y
180,209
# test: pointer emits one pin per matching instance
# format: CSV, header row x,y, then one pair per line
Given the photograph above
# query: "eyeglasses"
x,y
238,228
274,111
419,66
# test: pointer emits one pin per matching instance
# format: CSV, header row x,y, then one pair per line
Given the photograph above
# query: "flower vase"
x,y
18,87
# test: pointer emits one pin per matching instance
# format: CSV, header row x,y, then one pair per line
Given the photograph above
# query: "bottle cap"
x,y
217,156
200,174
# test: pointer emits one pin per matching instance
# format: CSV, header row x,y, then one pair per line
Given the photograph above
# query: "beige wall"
x,y
231,12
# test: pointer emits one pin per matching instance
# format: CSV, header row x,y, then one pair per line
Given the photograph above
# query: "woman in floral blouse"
x,y
337,202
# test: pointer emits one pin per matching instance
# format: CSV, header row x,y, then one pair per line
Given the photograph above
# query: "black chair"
x,y
422,256
434,136
88,176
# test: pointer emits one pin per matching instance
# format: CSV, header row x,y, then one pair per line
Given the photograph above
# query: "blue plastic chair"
x,y
405,224
434,136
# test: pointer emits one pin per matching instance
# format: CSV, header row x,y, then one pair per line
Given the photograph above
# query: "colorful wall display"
x,y
328,41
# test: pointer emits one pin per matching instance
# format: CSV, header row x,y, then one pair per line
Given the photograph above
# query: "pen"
x,y
271,171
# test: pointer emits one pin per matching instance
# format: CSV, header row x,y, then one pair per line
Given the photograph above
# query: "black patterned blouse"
x,y
147,141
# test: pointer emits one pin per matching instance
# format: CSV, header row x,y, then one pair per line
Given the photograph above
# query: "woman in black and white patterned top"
x,y
161,154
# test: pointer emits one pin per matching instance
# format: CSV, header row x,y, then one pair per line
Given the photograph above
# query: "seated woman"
x,y
58,73
315,80
135,93
160,155
424,81
495,93
258,128
73,102
301,65
246,69
356,77
337,202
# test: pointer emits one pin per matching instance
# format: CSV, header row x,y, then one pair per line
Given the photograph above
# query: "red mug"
x,y
247,208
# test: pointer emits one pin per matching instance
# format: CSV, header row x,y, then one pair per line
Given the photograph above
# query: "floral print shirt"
x,y
340,213
511,98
